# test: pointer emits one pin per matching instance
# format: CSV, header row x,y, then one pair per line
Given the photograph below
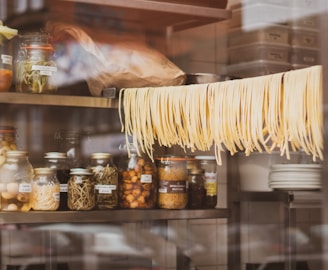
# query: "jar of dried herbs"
x,y
106,176
81,190
35,66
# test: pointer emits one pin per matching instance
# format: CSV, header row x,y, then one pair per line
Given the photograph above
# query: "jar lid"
x,y
55,155
80,171
171,158
44,170
16,153
196,171
101,155
7,129
205,157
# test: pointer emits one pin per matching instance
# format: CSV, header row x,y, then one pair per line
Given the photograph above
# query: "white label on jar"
x,y
25,188
44,70
56,196
210,177
63,187
6,59
146,178
105,189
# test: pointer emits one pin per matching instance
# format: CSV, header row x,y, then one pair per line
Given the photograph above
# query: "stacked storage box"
x,y
304,33
265,38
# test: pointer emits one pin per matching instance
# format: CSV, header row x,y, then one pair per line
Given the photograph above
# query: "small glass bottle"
x,y
7,141
196,189
106,176
35,66
16,174
209,165
173,177
45,190
6,64
81,190
137,181
57,160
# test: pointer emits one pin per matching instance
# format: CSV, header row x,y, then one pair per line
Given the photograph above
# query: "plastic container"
x,y
273,34
259,51
259,13
137,182
7,141
256,68
45,194
81,190
35,66
303,19
58,161
6,64
16,174
304,56
304,38
106,177
173,178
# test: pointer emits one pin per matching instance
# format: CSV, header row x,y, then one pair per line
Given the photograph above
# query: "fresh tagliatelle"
x,y
276,111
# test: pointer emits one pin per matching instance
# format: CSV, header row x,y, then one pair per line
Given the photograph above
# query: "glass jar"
x,y
45,190
57,160
106,176
35,67
172,176
69,142
7,141
137,181
209,165
81,190
16,174
196,189
6,64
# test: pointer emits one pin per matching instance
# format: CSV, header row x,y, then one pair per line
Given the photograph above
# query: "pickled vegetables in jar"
x,y
16,174
35,66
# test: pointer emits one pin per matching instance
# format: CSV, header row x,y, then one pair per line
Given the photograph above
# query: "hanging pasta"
x,y
282,110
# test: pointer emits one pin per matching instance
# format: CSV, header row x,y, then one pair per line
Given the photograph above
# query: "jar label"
x,y
211,188
146,178
210,184
56,196
172,187
6,59
45,70
25,188
105,189
63,187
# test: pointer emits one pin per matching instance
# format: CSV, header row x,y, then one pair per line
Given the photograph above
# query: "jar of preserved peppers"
x,y
106,176
81,190
137,181
35,66
6,64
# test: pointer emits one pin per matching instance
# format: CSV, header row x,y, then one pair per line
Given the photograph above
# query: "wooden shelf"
x,y
58,100
108,216
156,15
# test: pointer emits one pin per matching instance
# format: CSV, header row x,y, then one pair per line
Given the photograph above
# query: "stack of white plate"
x,y
295,176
